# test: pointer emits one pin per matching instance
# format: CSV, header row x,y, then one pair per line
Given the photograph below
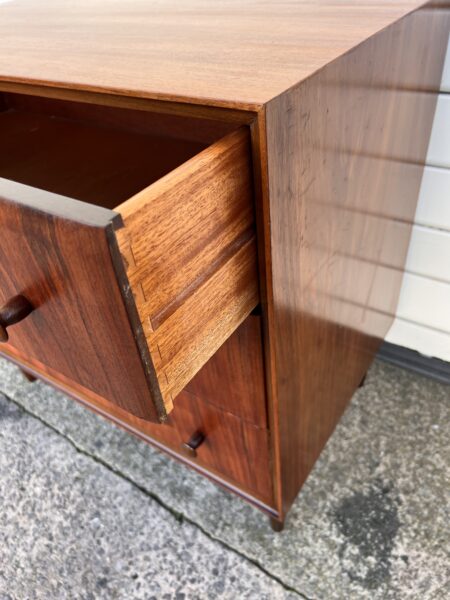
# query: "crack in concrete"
x,y
180,517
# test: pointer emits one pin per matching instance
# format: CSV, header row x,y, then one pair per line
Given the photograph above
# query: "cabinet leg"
x,y
362,382
28,375
276,524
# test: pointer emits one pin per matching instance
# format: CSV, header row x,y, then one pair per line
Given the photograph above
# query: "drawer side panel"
x,y
189,248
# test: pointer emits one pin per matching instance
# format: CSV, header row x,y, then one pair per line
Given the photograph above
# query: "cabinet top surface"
x,y
229,53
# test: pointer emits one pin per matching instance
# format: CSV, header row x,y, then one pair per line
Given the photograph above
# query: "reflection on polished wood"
x,y
345,153
338,99
222,53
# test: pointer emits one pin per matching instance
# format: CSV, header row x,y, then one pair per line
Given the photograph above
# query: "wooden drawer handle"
x,y
12,312
194,442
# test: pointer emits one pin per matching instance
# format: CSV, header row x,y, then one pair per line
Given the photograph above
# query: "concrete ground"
x,y
90,512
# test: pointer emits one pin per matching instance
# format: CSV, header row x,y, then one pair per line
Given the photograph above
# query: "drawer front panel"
x,y
234,450
79,326
233,379
231,447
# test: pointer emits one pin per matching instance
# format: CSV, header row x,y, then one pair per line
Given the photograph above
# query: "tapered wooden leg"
x,y
28,376
276,524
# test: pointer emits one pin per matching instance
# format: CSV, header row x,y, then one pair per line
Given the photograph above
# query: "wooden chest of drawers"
x,y
198,220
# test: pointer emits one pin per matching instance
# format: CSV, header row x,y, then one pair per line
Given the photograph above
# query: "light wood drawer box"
x,y
135,247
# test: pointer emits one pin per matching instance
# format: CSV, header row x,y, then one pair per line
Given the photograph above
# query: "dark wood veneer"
x,y
236,452
233,379
62,263
101,164
339,102
181,240
343,148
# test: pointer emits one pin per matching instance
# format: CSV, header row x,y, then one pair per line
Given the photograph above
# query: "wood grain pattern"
x,y
339,97
188,240
233,378
189,245
58,253
232,447
101,165
222,53
231,116
135,117
334,147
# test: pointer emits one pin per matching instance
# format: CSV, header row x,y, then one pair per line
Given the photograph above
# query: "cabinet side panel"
x,y
345,159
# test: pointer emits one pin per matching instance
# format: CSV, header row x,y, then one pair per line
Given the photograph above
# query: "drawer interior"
x,y
97,154
172,220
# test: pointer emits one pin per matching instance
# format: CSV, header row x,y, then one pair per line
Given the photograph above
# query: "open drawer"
x,y
127,247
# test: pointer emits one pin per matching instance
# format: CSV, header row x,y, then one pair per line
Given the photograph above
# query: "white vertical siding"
x,y
423,339
433,208
439,149
423,314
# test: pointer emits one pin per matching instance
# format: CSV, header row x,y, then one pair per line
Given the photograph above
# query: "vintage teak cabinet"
x,y
205,210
